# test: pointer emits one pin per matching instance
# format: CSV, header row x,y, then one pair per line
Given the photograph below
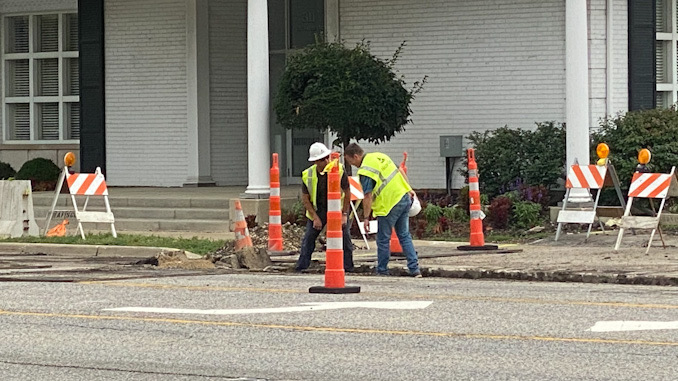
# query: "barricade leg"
x,y
659,214
595,208
355,213
50,214
560,224
80,228
627,212
108,209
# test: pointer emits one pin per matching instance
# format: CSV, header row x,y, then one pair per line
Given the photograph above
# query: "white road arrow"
x,y
616,326
402,305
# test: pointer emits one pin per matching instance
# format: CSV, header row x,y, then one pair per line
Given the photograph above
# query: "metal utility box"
x,y
451,146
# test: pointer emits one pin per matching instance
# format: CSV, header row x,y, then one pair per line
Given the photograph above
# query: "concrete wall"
x,y
490,63
228,91
146,92
17,155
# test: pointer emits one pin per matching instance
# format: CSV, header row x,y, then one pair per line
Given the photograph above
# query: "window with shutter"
x,y
16,34
18,116
73,120
41,95
660,56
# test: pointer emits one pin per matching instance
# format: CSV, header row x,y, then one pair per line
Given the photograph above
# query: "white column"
x,y
332,20
258,127
577,85
198,95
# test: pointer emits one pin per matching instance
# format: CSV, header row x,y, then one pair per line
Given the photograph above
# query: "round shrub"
x,y
626,134
43,174
6,171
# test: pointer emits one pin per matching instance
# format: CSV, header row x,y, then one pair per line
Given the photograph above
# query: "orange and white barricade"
x,y
87,185
587,177
648,185
357,195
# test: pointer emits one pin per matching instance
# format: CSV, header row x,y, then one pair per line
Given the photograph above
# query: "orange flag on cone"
x,y
242,234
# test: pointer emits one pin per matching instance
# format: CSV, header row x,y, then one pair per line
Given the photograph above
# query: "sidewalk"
x,y
569,260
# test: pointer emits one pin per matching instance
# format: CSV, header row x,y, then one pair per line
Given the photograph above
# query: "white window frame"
x,y
33,99
667,91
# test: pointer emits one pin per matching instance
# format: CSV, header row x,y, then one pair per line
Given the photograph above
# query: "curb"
x,y
552,276
89,250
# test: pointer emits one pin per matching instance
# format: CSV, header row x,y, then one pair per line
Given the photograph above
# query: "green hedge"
x,y
627,134
6,171
511,158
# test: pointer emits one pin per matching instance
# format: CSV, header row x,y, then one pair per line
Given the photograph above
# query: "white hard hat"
x,y
415,208
318,151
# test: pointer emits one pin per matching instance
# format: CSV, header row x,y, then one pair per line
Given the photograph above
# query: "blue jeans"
x,y
308,245
399,219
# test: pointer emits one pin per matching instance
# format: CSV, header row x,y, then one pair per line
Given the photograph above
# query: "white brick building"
x,y
162,91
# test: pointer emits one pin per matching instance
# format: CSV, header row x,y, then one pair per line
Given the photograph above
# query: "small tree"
x,y
350,91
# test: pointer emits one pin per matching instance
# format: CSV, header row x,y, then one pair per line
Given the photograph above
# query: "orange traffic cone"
x,y
59,230
275,239
334,256
242,234
477,239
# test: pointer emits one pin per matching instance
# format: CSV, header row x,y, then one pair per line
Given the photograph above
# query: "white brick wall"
x,y
146,92
228,91
490,63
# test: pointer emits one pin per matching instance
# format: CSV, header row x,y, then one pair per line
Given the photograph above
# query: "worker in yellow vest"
x,y
388,197
314,197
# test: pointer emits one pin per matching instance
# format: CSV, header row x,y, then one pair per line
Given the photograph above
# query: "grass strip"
x,y
194,245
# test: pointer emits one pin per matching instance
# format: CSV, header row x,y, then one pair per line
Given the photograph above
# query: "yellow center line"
x,y
340,329
389,294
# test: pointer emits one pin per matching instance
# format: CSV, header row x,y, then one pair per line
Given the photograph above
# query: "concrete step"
x,y
150,213
45,199
140,224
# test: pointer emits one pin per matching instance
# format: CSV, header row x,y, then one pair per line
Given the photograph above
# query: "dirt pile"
x,y
179,260
292,235
257,257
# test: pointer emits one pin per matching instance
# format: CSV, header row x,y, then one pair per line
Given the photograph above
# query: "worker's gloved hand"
x,y
317,224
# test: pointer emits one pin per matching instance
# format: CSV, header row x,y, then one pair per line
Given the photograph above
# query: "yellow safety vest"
x,y
390,184
310,178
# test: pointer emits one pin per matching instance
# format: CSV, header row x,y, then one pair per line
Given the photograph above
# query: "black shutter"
x,y
642,66
92,110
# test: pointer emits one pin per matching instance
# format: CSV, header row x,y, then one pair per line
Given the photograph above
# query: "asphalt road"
x,y
470,330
